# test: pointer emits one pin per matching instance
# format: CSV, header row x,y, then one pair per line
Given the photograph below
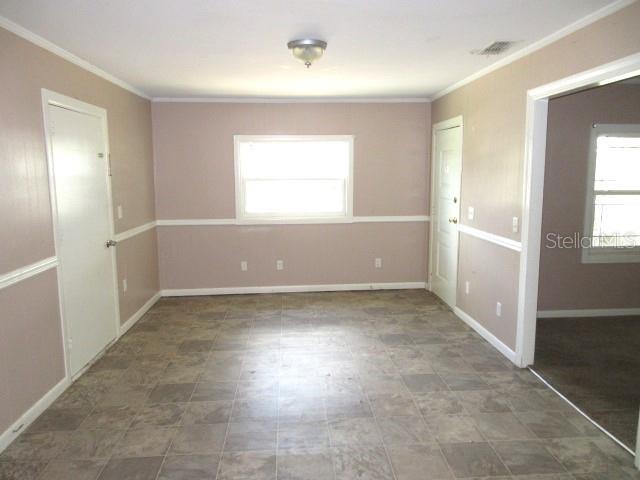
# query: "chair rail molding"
x,y
23,273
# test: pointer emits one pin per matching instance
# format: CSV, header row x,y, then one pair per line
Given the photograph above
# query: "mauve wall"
x,y
493,108
193,149
565,282
33,362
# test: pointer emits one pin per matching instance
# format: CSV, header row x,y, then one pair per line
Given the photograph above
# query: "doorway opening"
x,y
538,107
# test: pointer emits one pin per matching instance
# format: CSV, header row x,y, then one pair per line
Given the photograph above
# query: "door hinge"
x,y
69,344
101,155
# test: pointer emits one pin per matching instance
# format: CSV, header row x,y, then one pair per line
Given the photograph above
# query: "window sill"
x,y
609,255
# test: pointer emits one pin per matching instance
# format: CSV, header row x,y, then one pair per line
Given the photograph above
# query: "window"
x,y
281,179
613,197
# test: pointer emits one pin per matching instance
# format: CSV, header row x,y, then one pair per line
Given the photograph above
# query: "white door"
x,y
445,211
84,224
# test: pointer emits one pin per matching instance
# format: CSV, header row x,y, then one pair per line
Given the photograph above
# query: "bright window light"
x,y
280,178
613,210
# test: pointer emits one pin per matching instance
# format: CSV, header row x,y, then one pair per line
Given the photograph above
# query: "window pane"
x,y
291,197
294,176
617,163
616,220
294,159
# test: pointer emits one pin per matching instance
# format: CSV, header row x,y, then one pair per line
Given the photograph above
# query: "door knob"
x,y
111,243
453,220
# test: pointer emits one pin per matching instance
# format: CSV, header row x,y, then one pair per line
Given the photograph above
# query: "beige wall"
x,y
565,282
29,309
31,355
493,108
193,145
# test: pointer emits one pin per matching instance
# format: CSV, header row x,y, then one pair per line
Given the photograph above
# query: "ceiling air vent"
x,y
496,48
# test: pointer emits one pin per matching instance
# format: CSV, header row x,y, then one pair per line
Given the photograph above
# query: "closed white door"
x,y
84,225
445,212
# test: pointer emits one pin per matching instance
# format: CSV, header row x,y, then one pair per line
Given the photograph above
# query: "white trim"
x,y
589,312
486,334
596,424
491,237
53,98
194,222
393,219
139,314
20,425
70,57
22,273
336,287
538,45
290,100
119,237
44,402
449,123
533,187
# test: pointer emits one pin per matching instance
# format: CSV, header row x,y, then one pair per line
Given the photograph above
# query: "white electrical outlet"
x,y
471,213
119,209
378,263
279,265
124,285
498,309
515,224
466,288
244,266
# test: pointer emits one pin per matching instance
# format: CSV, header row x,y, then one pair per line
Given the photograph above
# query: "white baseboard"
x,y
593,312
138,315
487,335
41,405
338,287
34,412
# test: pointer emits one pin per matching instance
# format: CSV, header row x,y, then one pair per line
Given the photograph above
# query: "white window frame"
x,y
604,254
241,218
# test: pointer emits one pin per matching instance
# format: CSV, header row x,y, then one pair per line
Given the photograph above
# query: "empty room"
x,y
345,240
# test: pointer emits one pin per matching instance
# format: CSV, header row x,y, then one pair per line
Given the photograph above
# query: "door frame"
x,y
51,98
453,122
533,192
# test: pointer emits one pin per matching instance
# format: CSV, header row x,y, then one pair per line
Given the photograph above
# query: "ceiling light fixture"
x,y
307,50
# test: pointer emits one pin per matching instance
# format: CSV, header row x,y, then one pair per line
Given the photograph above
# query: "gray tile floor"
x,y
339,386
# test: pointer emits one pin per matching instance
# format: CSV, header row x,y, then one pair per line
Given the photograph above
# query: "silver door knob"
x,y
111,243
453,220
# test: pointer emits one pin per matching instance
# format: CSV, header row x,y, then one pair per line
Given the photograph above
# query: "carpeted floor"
x,y
595,362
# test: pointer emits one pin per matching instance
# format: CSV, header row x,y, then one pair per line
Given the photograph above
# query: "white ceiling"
x,y
237,48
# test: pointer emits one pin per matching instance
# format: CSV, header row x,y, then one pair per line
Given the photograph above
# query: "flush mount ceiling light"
x,y
307,50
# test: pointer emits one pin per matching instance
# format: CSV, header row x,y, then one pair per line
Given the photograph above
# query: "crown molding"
x,y
548,40
65,54
290,100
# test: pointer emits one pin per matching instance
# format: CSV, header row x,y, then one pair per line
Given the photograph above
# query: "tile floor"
x,y
595,363
339,386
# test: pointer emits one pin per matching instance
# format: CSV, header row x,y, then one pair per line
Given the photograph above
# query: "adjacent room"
x,y
588,334
276,241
